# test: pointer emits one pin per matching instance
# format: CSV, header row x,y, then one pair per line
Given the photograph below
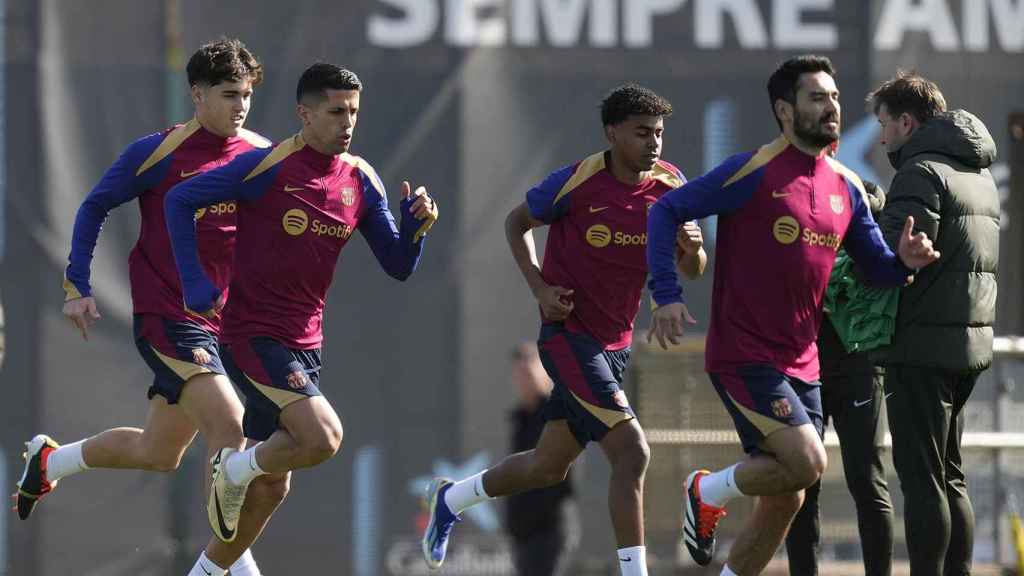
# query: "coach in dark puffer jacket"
x,y
943,337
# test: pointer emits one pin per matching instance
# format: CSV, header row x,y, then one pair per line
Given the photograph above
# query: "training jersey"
x,y
146,170
596,241
297,209
782,216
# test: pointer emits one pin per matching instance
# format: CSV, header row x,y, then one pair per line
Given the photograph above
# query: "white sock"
x,y
205,567
466,493
719,487
65,461
633,561
726,571
245,565
242,467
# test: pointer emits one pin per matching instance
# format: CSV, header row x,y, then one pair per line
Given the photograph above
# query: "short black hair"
x,y
320,77
785,81
909,92
223,60
632,99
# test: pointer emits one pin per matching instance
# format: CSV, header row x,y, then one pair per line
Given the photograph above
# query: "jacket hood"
x,y
957,134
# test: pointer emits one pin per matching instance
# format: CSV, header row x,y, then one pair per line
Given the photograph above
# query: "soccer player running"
x,y
589,292
298,205
784,210
190,392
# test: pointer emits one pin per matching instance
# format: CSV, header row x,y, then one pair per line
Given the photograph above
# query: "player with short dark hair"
x,y
589,292
298,205
784,210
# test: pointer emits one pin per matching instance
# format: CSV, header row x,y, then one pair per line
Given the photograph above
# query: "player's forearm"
x,y
179,213
692,265
661,241
520,241
88,223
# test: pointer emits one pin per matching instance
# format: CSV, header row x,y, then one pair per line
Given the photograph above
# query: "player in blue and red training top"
x,y
190,391
298,205
589,293
784,211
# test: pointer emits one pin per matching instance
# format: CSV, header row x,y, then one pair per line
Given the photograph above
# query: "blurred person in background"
x,y
858,319
943,338
544,523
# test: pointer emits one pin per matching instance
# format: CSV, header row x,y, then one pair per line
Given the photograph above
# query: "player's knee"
x,y
808,468
633,461
325,443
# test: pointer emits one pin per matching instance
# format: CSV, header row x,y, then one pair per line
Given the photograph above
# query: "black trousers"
x,y
926,420
853,396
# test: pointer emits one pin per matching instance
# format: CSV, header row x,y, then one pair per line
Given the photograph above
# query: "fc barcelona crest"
x,y
348,196
837,203
781,408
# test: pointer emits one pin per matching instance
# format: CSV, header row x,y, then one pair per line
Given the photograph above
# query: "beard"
x,y
812,130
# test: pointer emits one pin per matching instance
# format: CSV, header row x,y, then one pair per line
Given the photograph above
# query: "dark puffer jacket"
x,y
946,316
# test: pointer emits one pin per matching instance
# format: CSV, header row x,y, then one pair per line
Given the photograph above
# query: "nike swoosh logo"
x,y
889,394
293,188
777,194
596,210
859,403
185,174
625,559
228,534
208,573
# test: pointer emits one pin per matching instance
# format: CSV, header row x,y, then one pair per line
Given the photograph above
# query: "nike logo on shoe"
x,y
859,403
228,533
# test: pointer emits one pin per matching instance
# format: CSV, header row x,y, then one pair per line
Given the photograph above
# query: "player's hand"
x,y
82,313
555,302
213,311
916,250
423,205
667,323
689,238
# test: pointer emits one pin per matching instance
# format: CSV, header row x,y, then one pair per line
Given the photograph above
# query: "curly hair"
x,y
224,60
909,92
320,77
632,99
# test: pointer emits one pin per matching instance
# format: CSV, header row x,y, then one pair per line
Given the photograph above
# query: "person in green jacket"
x,y
943,337
858,319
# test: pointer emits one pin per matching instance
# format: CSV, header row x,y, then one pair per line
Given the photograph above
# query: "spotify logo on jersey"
x,y
786,230
295,221
599,235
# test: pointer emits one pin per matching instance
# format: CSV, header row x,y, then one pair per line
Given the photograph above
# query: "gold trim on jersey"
x,y
587,168
280,152
170,143
764,155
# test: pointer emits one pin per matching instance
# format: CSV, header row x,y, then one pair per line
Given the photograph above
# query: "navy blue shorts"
x,y
762,400
265,370
169,348
587,391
